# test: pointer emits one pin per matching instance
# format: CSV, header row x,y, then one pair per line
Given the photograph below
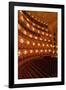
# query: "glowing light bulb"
x,y
45,50
25,32
33,24
31,51
38,31
50,35
46,34
45,40
30,35
28,42
42,33
38,44
36,51
46,29
25,52
28,25
43,44
47,45
33,29
50,45
22,18
27,19
33,44
42,28
53,51
48,40
36,37
40,38
22,40
41,50
49,50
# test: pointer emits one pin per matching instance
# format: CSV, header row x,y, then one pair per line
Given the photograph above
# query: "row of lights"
x,y
25,52
22,18
41,21
38,19
37,26
28,43
39,32
31,36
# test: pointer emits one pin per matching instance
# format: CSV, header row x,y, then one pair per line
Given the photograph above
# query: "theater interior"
x,y
37,44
